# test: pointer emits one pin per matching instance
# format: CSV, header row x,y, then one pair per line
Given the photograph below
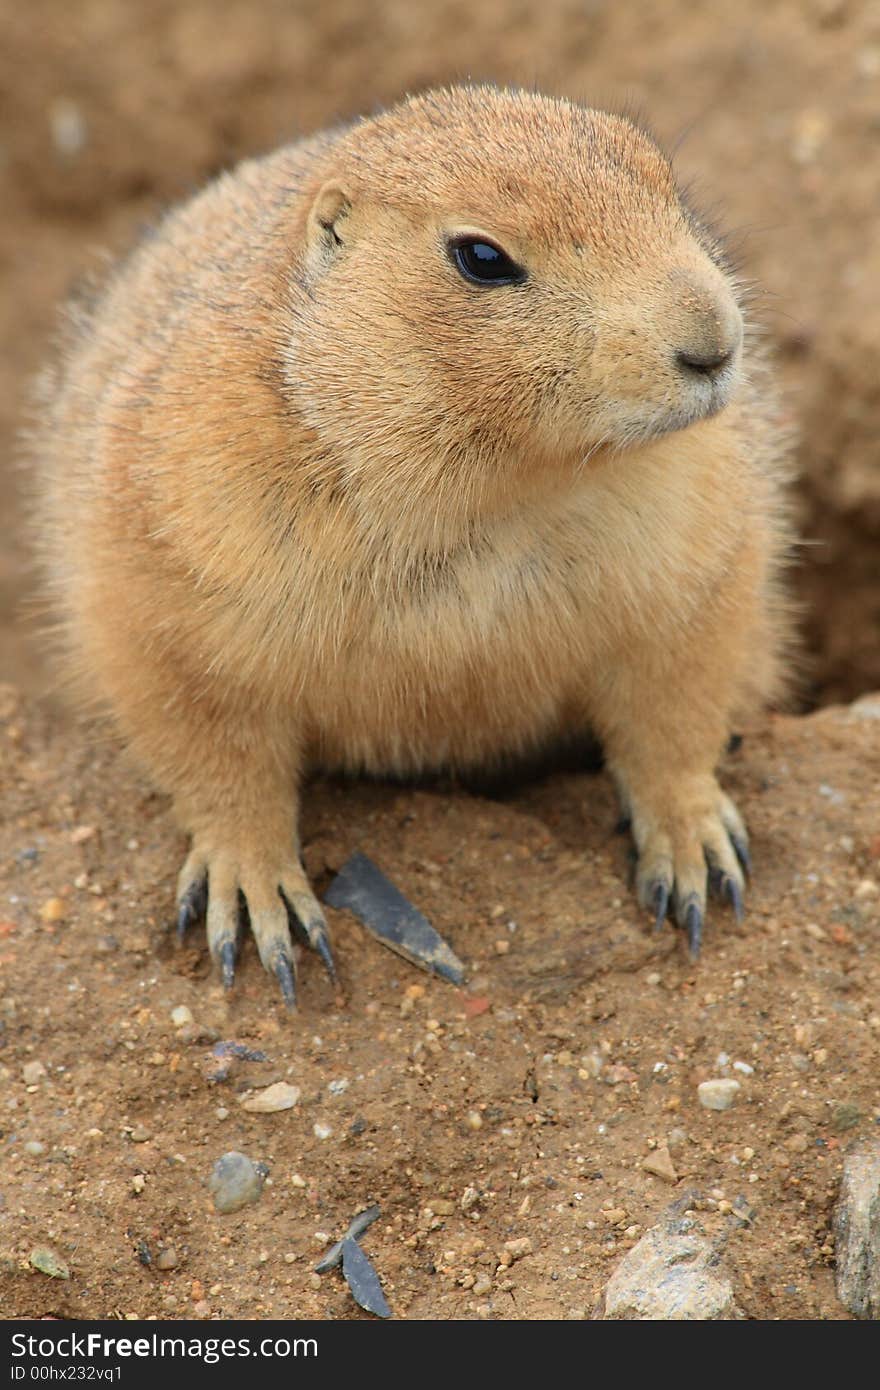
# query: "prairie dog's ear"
x,y
325,234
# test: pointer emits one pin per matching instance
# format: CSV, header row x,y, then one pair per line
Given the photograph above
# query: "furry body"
x,y
313,501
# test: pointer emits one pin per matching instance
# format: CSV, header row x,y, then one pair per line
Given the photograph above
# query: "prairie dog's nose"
x,y
702,362
709,327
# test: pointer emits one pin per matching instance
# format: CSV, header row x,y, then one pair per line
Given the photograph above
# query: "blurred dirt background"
x,y
521,1107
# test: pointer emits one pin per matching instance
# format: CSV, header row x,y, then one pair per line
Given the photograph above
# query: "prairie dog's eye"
x,y
484,263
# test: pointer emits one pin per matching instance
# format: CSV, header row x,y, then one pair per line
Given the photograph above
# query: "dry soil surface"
x,y
519,1108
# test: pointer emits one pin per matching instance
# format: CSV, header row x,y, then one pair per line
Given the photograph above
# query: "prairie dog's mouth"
x,y
627,423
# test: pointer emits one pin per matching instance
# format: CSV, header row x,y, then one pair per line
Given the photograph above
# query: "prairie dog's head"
x,y
502,275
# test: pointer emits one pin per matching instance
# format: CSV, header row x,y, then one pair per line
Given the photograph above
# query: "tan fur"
x,y
314,500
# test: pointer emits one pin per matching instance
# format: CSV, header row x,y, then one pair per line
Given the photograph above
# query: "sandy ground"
x,y
520,1107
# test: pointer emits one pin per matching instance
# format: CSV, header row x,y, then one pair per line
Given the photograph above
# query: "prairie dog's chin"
x,y
701,401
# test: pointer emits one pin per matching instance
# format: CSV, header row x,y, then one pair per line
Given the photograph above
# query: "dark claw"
x,y
742,853
717,879
227,963
736,899
285,976
314,935
192,907
660,903
322,946
693,925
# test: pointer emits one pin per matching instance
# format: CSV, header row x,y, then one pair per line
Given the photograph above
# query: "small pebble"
x,y
845,1116
474,1119
181,1016
167,1258
32,1072
481,1285
280,1096
236,1182
34,1148
53,910
322,1130
660,1164
47,1262
516,1249
718,1094
138,1183
139,1135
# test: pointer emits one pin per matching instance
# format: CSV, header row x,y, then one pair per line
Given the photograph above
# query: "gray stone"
x,y
670,1274
236,1182
718,1094
857,1232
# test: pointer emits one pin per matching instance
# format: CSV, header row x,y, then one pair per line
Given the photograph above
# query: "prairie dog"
x,y
412,446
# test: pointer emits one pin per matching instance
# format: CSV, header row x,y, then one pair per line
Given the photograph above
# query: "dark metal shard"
x,y
363,1280
364,890
361,1223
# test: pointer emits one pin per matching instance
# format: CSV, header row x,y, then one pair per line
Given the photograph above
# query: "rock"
x,y
670,1274
32,1073
515,1250
47,1262
236,1182
845,1116
181,1016
718,1094
53,910
660,1164
167,1258
857,1232
140,1135
33,1148
280,1096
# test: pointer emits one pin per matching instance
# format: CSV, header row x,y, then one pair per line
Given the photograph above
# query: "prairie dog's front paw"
x,y
689,840
272,894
